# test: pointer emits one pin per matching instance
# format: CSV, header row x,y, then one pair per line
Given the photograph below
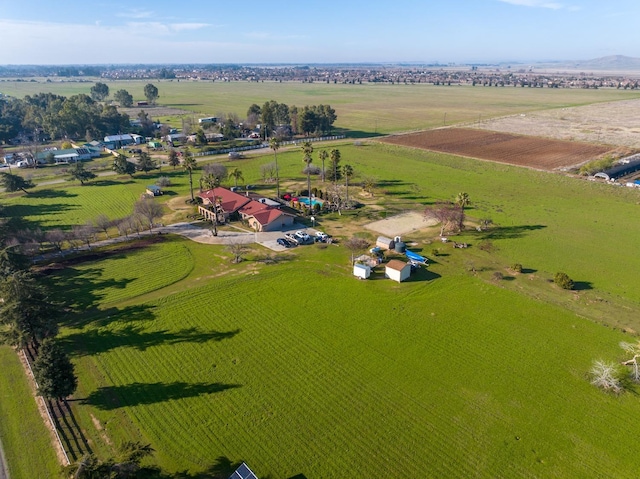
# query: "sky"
x,y
308,31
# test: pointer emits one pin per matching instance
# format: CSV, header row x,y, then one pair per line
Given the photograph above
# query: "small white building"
x,y
397,270
361,271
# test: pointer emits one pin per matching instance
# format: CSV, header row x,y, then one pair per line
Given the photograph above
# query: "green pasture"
x,y
362,109
547,222
26,441
298,368
65,204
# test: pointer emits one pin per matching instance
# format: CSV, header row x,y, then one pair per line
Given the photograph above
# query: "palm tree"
x,y
274,144
210,181
189,164
347,171
307,149
217,203
462,200
236,174
323,155
335,160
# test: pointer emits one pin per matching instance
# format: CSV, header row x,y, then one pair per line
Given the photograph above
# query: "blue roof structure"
x,y
243,472
415,257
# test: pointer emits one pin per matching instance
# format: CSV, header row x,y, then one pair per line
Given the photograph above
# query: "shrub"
x,y
595,166
497,276
563,280
487,246
435,252
163,181
516,267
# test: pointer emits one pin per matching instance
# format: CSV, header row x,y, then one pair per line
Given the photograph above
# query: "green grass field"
x,y
26,441
297,368
362,109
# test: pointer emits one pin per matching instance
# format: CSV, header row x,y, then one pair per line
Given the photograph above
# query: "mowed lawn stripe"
x,y
323,377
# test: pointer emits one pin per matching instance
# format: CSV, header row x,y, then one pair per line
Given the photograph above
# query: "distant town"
x,y
503,75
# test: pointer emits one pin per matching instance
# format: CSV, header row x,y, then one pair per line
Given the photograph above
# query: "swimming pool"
x,y
305,201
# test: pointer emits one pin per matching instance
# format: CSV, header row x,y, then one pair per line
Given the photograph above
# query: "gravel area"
x,y
400,224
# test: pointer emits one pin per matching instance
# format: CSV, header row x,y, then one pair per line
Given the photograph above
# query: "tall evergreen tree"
x,y
146,163
122,166
26,310
54,371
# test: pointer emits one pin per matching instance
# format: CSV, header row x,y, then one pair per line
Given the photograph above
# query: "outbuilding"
x,y
385,243
397,270
154,190
361,271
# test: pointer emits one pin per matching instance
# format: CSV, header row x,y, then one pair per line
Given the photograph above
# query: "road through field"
x,y
4,470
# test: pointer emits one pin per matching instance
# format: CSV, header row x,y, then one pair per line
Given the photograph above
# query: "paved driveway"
x,y
237,236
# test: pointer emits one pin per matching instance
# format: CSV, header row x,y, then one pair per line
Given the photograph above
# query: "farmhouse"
x,y
397,270
119,140
262,217
173,137
228,204
71,155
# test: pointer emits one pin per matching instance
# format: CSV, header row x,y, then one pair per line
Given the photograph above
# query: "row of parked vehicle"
x,y
300,237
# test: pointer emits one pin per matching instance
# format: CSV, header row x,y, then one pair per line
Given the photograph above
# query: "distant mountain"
x,y
612,62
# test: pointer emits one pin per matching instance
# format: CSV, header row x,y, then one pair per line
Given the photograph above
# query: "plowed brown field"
x,y
502,147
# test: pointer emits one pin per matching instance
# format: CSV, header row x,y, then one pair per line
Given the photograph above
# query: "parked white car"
x,y
322,237
302,236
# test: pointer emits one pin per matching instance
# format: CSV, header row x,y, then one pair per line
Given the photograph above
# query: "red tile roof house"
x,y
260,217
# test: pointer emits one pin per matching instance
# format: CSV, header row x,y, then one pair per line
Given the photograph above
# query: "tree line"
x,y
280,120
55,116
29,314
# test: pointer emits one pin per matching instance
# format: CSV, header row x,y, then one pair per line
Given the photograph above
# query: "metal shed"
x,y
385,243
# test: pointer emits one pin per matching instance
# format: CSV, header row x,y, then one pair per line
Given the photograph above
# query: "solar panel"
x,y
243,472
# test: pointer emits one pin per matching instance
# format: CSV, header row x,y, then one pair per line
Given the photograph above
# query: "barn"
x,y
397,270
625,167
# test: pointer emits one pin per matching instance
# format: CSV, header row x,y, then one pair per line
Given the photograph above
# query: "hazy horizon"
x,y
39,32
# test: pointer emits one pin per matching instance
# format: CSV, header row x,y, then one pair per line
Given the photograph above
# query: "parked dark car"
x,y
285,242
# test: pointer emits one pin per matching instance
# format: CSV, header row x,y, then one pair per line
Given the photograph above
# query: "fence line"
x,y
222,151
46,406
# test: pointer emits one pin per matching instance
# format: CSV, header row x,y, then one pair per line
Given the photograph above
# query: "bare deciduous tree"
x,y
84,233
103,223
633,362
149,210
56,238
448,214
238,250
355,245
605,376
